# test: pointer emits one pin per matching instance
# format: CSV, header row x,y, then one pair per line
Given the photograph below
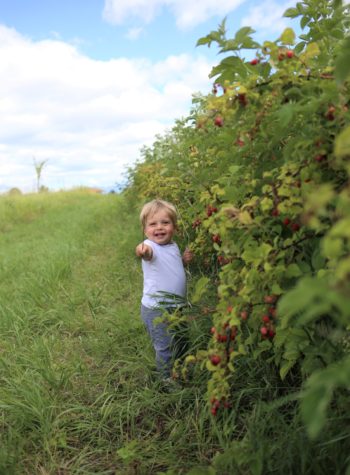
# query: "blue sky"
x,y
86,83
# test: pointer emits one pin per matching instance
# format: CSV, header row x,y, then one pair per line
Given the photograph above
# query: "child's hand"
x,y
187,256
144,251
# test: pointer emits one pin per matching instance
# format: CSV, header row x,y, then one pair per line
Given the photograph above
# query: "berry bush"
x,y
259,171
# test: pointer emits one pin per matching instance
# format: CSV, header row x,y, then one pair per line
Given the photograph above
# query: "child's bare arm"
x,y
187,256
144,251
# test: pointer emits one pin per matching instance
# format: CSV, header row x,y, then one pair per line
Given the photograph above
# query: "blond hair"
x,y
152,207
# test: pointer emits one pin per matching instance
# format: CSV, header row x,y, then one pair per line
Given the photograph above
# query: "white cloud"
x,y
134,33
117,11
192,13
89,118
267,16
188,13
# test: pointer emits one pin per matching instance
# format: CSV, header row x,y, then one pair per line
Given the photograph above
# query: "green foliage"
x,y
260,174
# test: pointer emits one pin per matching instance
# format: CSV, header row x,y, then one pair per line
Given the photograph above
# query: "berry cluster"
x,y
217,403
267,331
211,210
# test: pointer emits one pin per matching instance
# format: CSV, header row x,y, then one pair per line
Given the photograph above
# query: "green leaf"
x,y
288,36
243,33
342,143
319,391
332,248
304,21
218,36
230,45
228,66
293,270
299,47
286,367
204,40
276,289
200,289
242,40
312,50
342,62
285,115
263,346
291,13
305,294
317,260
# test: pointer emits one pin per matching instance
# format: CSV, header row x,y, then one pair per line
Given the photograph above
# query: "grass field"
x,y
78,390
78,393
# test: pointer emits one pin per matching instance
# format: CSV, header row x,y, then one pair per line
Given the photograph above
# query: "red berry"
x,y
239,142
233,333
271,333
264,331
196,223
221,338
213,330
219,121
216,403
272,312
216,238
270,298
242,98
295,227
244,315
290,53
213,410
275,212
254,61
286,221
281,57
210,210
223,260
215,360
265,319
320,158
330,113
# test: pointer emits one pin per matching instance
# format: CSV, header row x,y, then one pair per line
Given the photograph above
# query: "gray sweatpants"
x,y
161,338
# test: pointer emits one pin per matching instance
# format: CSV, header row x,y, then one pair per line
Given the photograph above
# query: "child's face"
x,y
159,227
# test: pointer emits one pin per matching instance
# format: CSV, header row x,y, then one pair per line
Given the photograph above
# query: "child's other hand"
x,y
187,256
144,251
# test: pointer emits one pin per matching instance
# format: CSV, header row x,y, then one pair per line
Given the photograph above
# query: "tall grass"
x,y
78,390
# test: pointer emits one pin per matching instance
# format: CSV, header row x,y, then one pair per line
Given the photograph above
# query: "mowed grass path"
x,y
77,389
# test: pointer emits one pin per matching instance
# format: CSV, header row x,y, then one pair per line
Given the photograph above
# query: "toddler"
x,y
164,277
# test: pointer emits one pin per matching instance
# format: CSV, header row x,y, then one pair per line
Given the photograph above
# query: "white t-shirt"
x,y
163,273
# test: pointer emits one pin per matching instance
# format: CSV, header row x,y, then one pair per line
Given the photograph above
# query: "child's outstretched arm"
x,y
145,251
187,256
